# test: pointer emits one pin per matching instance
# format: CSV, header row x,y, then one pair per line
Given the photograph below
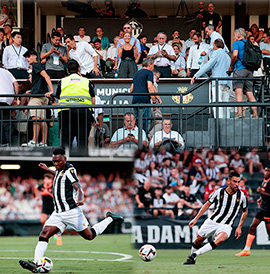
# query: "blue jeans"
x,y
146,116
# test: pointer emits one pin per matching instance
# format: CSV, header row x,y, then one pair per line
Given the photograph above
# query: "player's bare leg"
x,y
250,238
97,229
46,233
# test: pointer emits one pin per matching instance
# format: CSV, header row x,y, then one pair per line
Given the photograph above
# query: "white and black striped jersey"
x,y
227,205
63,191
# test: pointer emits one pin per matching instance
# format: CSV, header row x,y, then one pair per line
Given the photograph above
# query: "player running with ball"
x,y
66,209
228,202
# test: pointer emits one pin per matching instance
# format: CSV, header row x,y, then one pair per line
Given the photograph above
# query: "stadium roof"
x,y
158,7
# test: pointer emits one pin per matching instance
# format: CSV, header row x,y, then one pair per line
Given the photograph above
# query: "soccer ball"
x,y
44,265
147,253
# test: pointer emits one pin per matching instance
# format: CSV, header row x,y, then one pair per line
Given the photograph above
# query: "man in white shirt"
x,y
167,137
162,54
194,61
13,59
111,53
210,31
85,55
82,36
172,199
8,85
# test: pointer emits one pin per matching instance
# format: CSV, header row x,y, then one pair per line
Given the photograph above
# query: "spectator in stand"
x,y
121,34
9,85
212,18
2,45
178,67
197,178
221,159
162,54
4,18
176,39
105,43
144,48
212,172
195,60
145,196
257,33
110,62
109,11
236,162
55,56
210,187
128,53
82,36
102,55
134,10
210,32
40,83
239,70
150,156
127,137
165,170
219,64
189,42
172,199
153,175
168,138
201,12
61,31
8,38
13,57
209,156
140,164
188,203
155,41
244,188
253,162
85,55
161,155
158,204
176,177
265,48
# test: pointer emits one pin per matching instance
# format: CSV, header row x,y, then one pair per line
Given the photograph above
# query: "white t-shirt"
x,y
84,55
3,17
111,52
6,85
170,198
162,136
78,38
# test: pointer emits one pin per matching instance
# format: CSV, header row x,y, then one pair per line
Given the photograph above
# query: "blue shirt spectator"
x,y
240,46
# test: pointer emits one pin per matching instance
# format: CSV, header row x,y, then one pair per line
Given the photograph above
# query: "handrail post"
x,y
140,126
217,114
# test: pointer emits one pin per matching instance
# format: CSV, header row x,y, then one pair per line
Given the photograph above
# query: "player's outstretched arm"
x,y
77,186
44,167
200,213
238,230
261,190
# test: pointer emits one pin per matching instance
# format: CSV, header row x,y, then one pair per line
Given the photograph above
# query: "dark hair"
x,y
175,31
73,66
2,30
29,53
8,26
56,34
70,36
143,36
60,28
97,41
99,27
13,34
233,174
59,151
82,27
219,43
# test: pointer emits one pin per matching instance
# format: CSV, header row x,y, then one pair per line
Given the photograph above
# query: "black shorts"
x,y
263,215
47,210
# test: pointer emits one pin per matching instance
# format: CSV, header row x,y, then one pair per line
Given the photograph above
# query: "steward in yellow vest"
x,y
75,90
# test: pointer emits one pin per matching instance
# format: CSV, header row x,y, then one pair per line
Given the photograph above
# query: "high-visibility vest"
x,y
74,90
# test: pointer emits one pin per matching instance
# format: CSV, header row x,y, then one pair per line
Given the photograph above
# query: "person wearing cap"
x,y
178,67
167,137
158,203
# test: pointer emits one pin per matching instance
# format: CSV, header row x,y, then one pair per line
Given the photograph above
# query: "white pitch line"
x,y
125,257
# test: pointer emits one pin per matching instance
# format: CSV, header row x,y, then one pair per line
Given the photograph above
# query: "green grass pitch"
x,y
113,254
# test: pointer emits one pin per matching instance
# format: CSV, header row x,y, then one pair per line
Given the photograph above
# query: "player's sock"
x,y
40,248
208,247
101,226
249,241
194,248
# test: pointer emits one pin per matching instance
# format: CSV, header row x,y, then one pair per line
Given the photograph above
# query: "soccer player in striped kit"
x,y
67,197
263,213
228,202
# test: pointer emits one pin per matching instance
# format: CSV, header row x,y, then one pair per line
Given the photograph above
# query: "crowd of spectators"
x,y
176,185
19,200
